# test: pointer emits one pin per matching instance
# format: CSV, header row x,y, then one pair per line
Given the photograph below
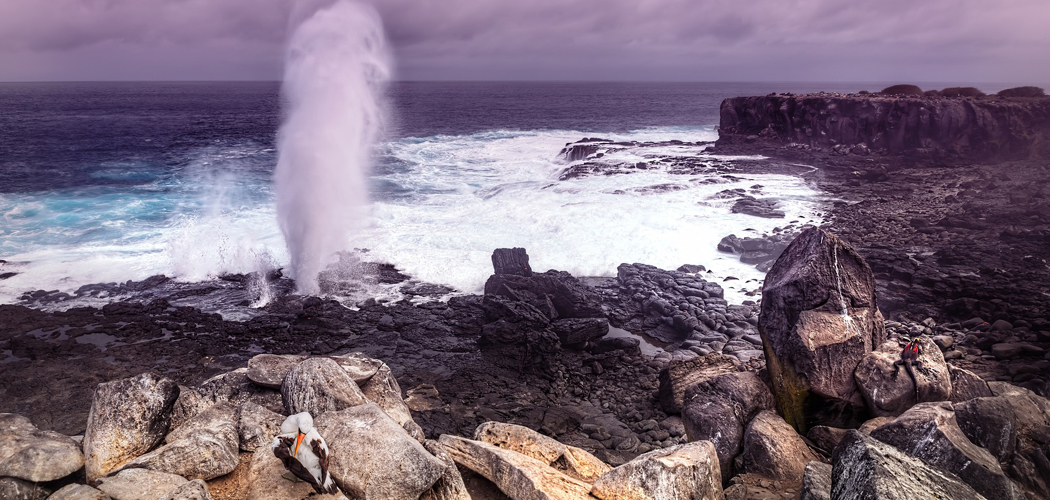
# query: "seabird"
x,y
304,452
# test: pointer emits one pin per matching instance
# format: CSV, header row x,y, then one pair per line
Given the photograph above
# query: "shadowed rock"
x,y
967,385
819,318
684,472
773,449
19,489
78,492
450,486
257,426
680,375
383,390
29,453
816,482
511,261
929,432
128,417
890,395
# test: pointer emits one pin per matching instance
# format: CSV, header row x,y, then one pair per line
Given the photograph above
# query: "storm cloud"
x,y
712,40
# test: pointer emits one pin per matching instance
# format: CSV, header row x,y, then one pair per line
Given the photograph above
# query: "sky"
x,y
594,40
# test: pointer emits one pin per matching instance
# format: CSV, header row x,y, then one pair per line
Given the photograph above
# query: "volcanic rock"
x,y
450,486
680,375
269,370
128,417
137,484
684,472
966,385
193,490
360,367
216,416
78,492
576,331
773,449
570,460
257,426
318,385
383,390
511,261
29,453
816,482
201,453
18,489
888,388
819,318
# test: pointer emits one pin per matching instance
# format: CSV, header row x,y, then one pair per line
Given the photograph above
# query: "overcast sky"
x,y
680,40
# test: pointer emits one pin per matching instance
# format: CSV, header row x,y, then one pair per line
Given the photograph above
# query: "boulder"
x,y
966,385
518,476
78,492
257,426
889,394
825,438
719,409
203,453
680,375
139,484
215,417
989,423
450,486
235,387
866,468
19,489
572,461
816,482
319,385
684,472
382,389
359,366
1030,413
128,417
819,318
928,431
576,331
372,457
192,490
267,479
269,370
773,449
569,297
511,261
29,453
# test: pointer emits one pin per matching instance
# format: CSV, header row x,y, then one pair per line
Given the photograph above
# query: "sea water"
x,y
109,182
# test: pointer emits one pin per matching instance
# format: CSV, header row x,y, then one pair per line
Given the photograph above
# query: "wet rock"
x,y
681,375
888,388
570,460
450,486
128,417
765,208
192,490
819,318
773,449
257,426
688,471
518,476
139,484
18,489
718,411
383,390
816,482
569,297
29,453
319,385
372,457
866,468
930,433
511,261
78,492
269,370
966,385
575,331
201,453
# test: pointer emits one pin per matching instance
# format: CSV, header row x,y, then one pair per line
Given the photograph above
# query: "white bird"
x,y
304,452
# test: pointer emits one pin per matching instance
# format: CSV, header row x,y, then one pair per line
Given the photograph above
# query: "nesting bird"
x,y
304,452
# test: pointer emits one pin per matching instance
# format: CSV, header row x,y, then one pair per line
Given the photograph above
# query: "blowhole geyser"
x,y
336,65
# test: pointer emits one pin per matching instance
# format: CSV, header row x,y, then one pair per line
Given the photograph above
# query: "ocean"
x,y
109,182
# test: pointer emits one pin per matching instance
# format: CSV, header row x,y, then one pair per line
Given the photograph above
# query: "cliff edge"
x,y
983,128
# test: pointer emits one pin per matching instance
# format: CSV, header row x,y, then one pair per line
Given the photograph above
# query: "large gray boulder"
x,y
684,472
203,453
372,457
575,462
269,370
680,375
78,492
215,417
990,423
192,490
29,453
139,484
819,318
719,409
816,482
233,387
257,426
359,366
382,389
889,395
773,449
128,417
928,431
319,385
12,488
518,476
864,468
967,385
450,486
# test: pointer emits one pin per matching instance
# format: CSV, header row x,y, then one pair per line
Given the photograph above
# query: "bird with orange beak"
x,y
304,452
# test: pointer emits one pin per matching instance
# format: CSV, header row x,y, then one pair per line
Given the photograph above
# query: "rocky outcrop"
x,y
681,375
684,472
570,460
319,385
29,453
819,318
128,418
977,128
890,390
773,449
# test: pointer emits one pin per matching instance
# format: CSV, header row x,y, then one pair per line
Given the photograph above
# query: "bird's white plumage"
x,y
303,424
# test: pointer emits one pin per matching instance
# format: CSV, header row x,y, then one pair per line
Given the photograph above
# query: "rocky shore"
x,y
646,385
